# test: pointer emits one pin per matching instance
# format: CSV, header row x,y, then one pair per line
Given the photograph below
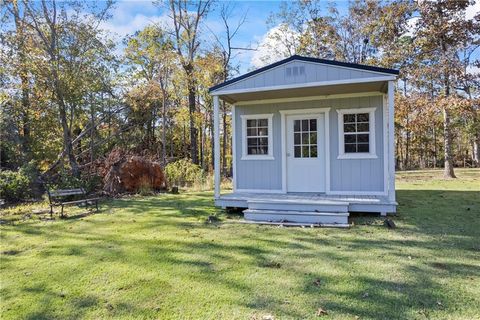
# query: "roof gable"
x,y
298,69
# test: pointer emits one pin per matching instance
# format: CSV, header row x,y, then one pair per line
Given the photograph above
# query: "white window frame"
x,y
245,155
371,132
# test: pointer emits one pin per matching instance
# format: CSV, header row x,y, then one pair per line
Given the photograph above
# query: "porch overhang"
x,y
314,89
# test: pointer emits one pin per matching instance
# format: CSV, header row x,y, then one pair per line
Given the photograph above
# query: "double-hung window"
x,y
257,137
356,129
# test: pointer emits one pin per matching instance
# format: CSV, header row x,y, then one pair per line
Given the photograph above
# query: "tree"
x,y
227,53
68,38
23,74
187,17
210,71
150,56
442,33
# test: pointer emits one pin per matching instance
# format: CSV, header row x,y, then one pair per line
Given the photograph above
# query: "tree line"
x,y
70,93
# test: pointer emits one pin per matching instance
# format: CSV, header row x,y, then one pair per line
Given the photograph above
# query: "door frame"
x,y
283,114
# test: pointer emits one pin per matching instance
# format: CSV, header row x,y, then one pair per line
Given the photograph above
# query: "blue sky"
x,y
129,16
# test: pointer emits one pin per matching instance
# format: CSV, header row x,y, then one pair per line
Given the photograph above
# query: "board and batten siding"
x,y
312,72
361,175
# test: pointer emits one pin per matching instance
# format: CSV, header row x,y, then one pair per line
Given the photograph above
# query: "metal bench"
x,y
57,198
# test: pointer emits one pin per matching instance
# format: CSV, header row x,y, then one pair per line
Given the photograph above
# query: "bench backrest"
x,y
66,192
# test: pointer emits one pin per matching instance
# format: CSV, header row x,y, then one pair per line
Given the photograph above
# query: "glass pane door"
x,y
305,138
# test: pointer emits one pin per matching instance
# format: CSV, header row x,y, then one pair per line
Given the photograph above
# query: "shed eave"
x,y
326,88
354,66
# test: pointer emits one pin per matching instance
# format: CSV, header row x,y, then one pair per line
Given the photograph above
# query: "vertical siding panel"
x,y
269,79
249,83
259,81
310,73
313,72
279,76
355,74
342,74
346,175
364,174
330,73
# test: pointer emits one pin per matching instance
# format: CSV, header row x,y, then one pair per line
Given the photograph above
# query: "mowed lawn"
x,y
157,258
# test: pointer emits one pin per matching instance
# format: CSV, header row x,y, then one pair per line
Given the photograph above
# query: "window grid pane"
x,y
356,128
257,137
305,138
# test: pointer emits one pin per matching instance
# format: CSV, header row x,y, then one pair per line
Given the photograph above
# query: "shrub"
x,y
66,180
14,185
183,173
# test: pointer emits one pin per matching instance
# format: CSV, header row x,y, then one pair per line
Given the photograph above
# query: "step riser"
x,y
298,207
279,217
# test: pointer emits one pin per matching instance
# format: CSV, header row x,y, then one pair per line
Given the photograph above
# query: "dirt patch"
x,y
439,265
11,252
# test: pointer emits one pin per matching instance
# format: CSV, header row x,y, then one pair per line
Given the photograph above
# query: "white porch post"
x,y
216,146
391,142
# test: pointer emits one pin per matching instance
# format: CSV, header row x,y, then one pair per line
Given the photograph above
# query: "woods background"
x,y
70,94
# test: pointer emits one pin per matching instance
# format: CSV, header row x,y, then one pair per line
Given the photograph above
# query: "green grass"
x,y
156,258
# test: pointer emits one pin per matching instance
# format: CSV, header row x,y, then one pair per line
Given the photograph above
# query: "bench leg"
x,y
51,211
96,204
61,213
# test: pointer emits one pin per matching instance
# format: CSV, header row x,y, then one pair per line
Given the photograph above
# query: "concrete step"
x,y
298,224
299,205
311,217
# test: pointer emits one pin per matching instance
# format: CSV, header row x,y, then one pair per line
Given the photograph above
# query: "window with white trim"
x,y
257,137
356,133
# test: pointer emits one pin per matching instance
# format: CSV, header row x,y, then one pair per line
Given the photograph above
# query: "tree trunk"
x,y
448,172
184,146
434,146
201,139
407,147
212,142
476,151
24,82
67,135
92,132
67,140
192,109
225,140
164,129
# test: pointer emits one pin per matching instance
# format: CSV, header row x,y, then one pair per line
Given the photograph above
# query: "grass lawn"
x,y
156,258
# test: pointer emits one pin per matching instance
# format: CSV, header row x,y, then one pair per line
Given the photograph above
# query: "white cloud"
x,y
131,16
278,43
473,70
472,10
135,23
411,26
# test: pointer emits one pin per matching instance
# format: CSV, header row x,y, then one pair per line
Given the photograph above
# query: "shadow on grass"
x,y
423,218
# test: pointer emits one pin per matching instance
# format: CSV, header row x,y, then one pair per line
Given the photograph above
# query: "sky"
x,y
129,16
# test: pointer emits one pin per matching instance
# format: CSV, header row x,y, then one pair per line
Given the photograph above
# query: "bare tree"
x,y
226,13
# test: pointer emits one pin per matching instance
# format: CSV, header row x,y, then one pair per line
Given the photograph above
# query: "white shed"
x,y
313,140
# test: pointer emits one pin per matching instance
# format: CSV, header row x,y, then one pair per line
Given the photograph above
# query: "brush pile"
x,y
131,173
